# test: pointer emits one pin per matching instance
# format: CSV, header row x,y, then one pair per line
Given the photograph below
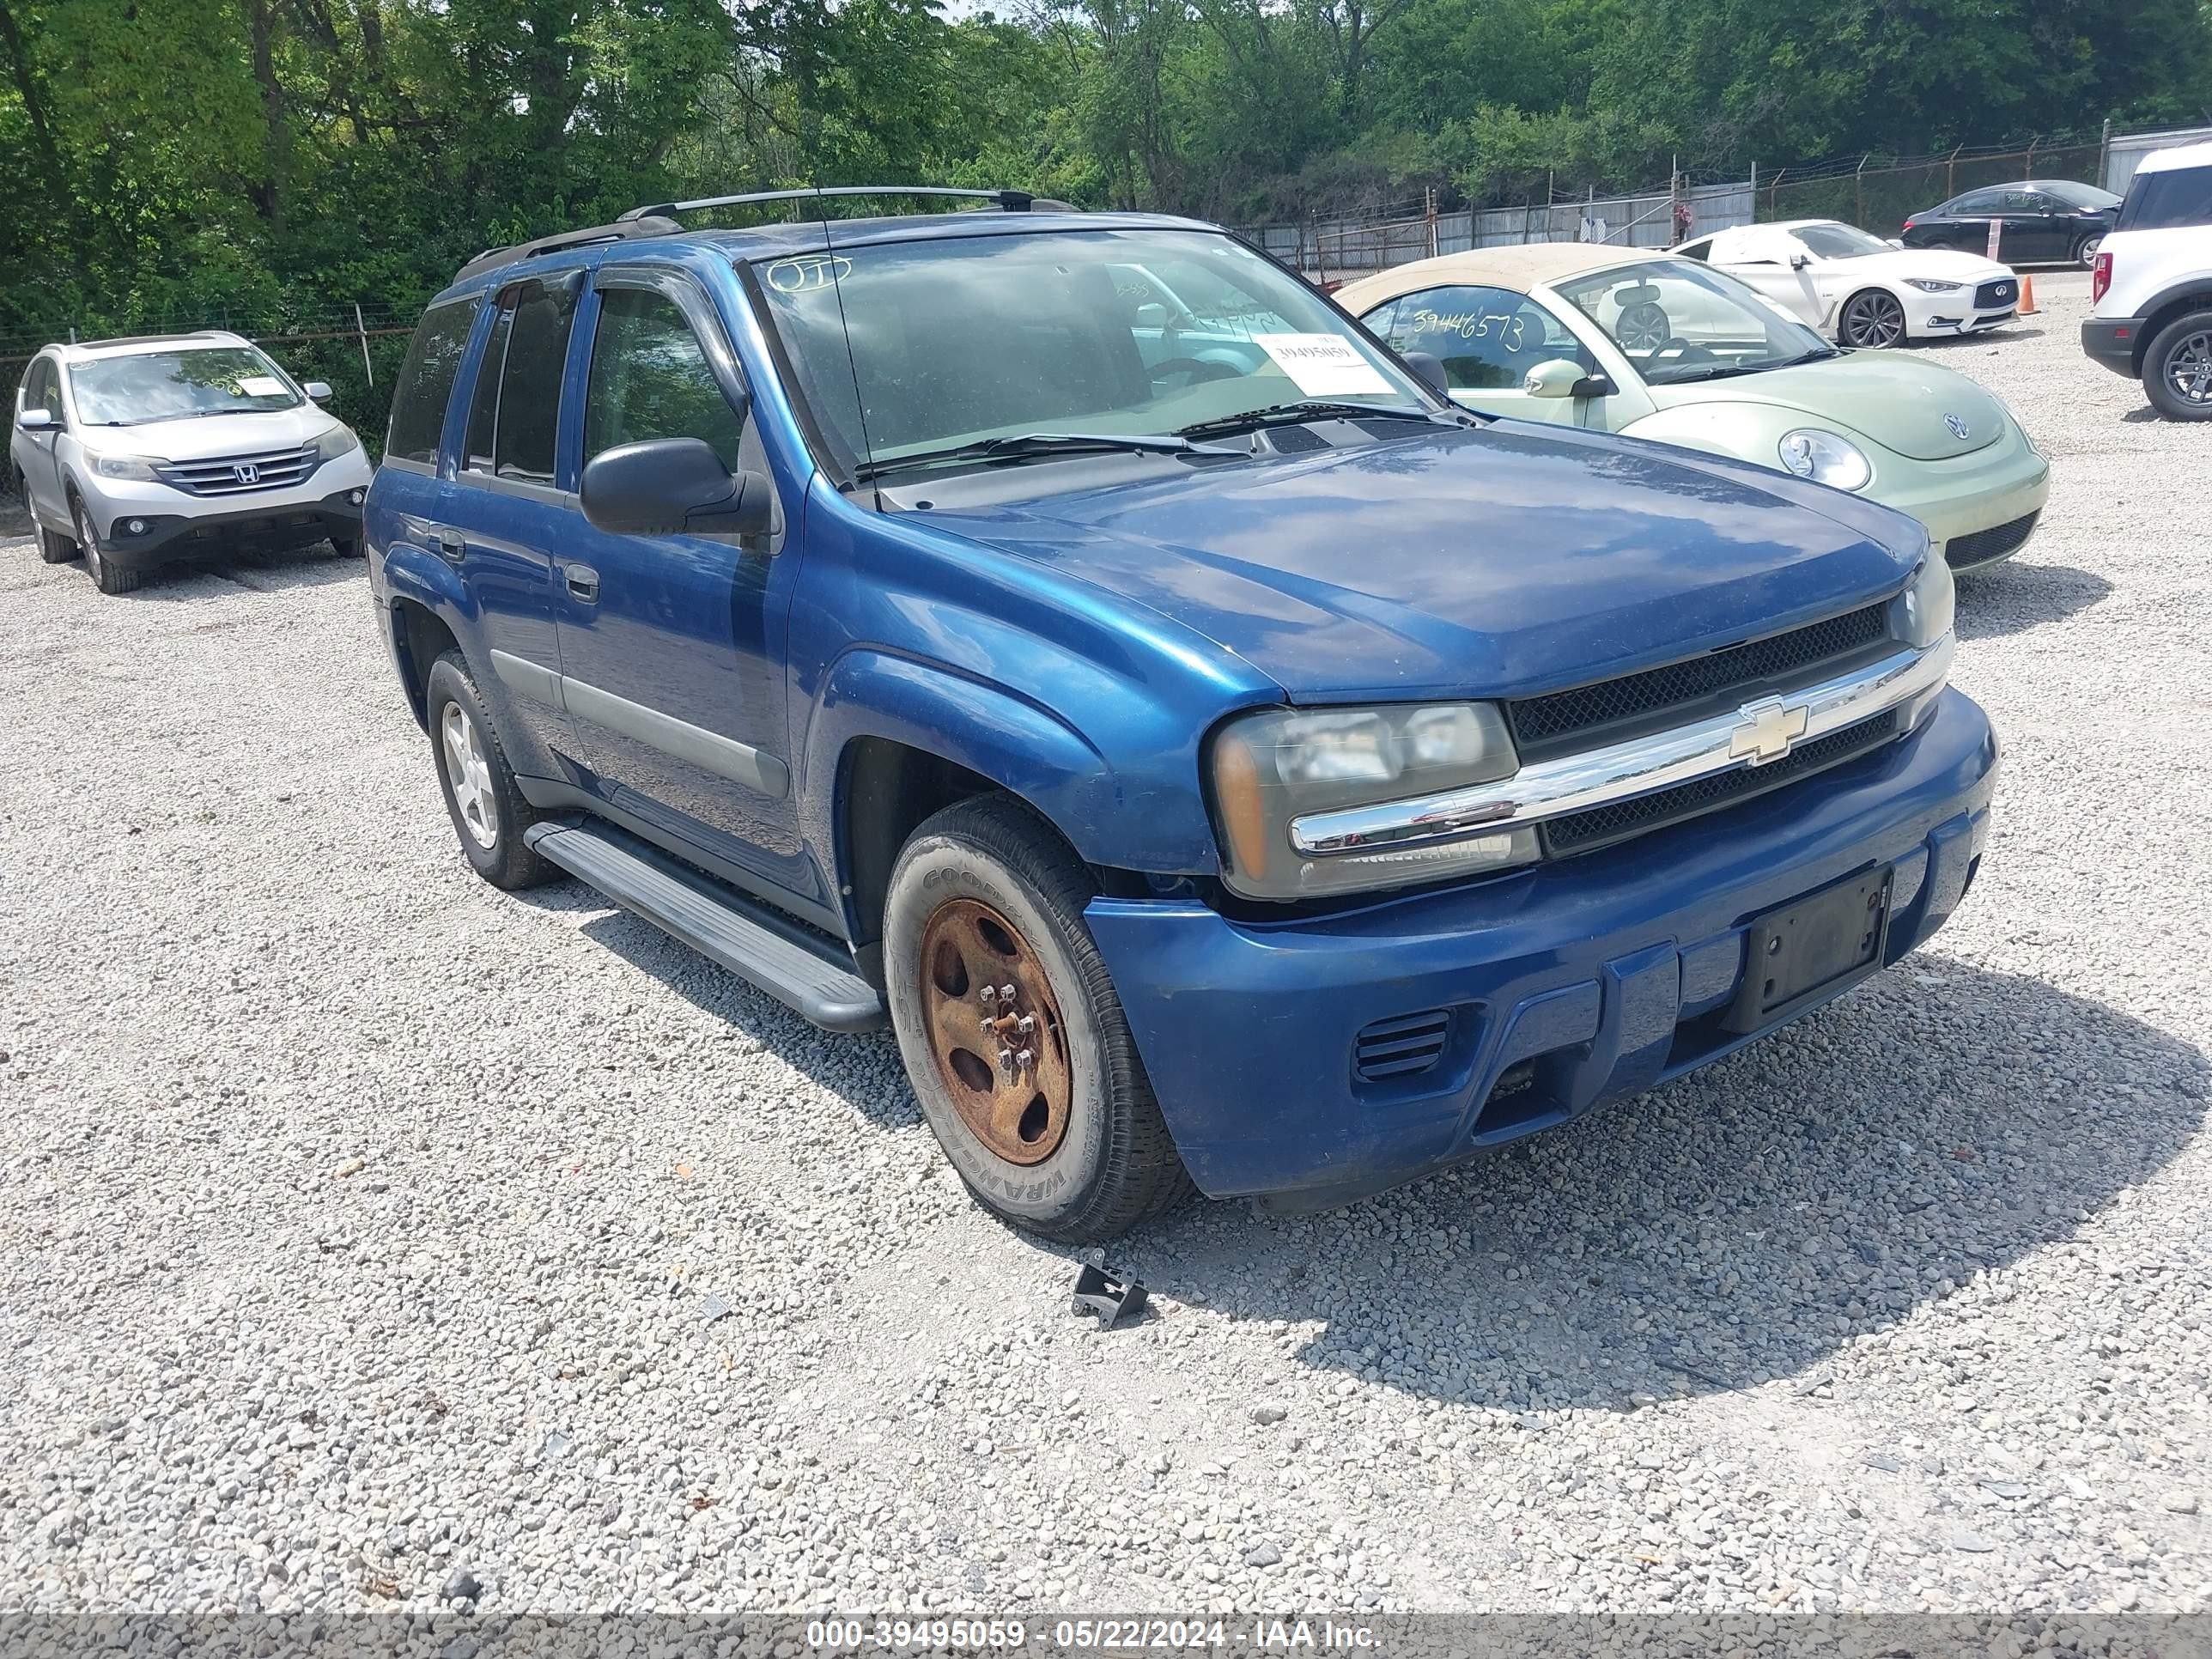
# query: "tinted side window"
x,y
650,379
2168,201
483,402
1488,338
426,382
42,388
1700,251
1982,203
530,389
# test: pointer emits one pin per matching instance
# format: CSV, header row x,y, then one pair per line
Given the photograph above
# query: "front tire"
x,y
488,812
1013,1038
2084,250
346,547
53,547
2177,370
1872,319
107,576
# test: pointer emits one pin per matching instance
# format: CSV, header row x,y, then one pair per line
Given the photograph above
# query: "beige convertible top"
x,y
1517,269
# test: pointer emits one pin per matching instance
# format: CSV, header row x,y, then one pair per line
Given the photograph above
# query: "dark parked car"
x,y
1069,638
2046,221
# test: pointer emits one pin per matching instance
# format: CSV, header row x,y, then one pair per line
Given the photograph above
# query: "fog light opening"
x,y
136,527
357,497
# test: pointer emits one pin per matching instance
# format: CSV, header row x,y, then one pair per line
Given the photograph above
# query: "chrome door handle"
x,y
451,544
583,582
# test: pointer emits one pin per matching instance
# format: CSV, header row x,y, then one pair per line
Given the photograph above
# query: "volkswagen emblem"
x,y
247,474
1959,429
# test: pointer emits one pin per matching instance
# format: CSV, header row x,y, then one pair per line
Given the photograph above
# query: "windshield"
x,y
1841,241
1679,321
1124,332
168,386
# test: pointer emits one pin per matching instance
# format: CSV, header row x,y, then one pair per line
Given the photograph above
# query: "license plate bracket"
x,y
1808,949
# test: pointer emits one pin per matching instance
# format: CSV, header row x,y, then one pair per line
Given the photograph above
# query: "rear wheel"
x,y
1871,320
1013,1038
2177,369
2084,250
488,812
107,576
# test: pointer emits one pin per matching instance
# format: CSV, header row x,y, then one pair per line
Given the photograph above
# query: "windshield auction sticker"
x,y
1322,365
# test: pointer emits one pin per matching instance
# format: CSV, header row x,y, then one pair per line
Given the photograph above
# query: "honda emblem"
x,y
245,474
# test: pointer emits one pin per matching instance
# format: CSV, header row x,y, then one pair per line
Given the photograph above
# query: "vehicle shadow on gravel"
x,y
260,573
2012,597
1734,1229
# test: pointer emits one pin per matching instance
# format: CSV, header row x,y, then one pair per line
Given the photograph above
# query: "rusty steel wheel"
x,y
995,1031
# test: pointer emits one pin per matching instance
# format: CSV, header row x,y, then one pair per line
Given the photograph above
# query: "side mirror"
x,y
38,420
1429,369
1559,378
320,390
1802,262
1153,314
674,486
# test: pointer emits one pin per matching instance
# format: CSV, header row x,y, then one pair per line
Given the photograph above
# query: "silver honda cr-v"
x,y
133,453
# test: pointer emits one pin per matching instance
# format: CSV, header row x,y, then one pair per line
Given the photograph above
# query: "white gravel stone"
x,y
347,1258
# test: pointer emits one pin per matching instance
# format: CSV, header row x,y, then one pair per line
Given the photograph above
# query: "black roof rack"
x,y
628,227
1013,201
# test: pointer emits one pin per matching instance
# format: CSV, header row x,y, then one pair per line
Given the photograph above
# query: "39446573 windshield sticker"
x,y
1322,365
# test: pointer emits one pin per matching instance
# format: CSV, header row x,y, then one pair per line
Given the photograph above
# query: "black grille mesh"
x,y
1545,722
1962,551
1579,832
1995,293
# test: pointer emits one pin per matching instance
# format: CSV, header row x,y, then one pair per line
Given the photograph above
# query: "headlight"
x,y
338,440
1277,765
1929,602
138,468
1926,286
1825,458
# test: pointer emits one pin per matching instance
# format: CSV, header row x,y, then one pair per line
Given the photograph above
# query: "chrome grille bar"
x,y
1758,732
221,475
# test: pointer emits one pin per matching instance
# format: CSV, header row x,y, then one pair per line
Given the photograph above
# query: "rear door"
x,y
509,504
671,647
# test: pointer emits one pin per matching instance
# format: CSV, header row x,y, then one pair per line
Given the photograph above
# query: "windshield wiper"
x,y
1291,414
1038,445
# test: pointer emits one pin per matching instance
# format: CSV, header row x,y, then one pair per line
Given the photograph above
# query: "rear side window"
x,y
483,402
426,382
2173,200
530,389
650,379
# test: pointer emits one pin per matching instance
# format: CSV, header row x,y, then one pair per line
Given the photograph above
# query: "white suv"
x,y
2152,286
145,452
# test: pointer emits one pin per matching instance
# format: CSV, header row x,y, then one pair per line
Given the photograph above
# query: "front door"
x,y
671,647
1488,339
42,483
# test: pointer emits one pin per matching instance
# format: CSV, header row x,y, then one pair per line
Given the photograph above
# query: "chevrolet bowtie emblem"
x,y
1770,727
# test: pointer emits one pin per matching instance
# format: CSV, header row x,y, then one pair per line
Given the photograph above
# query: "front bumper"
x,y
2002,484
2112,342
264,528
1586,980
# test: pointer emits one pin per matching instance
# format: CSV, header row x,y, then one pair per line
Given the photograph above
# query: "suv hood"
x,y
1494,563
1906,404
206,436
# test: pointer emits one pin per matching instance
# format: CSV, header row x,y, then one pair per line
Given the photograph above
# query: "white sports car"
x,y
1859,289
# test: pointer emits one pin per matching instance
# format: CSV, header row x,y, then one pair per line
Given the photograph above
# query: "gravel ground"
x,y
367,1234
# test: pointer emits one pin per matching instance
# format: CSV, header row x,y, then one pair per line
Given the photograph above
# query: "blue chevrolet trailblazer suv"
x,y
1067,637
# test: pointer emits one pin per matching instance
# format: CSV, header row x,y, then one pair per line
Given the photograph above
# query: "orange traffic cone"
x,y
2027,296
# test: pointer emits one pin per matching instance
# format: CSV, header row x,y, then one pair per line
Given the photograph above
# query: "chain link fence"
x,y
1877,193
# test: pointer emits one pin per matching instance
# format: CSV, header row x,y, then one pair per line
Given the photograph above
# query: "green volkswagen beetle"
x,y
1653,346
